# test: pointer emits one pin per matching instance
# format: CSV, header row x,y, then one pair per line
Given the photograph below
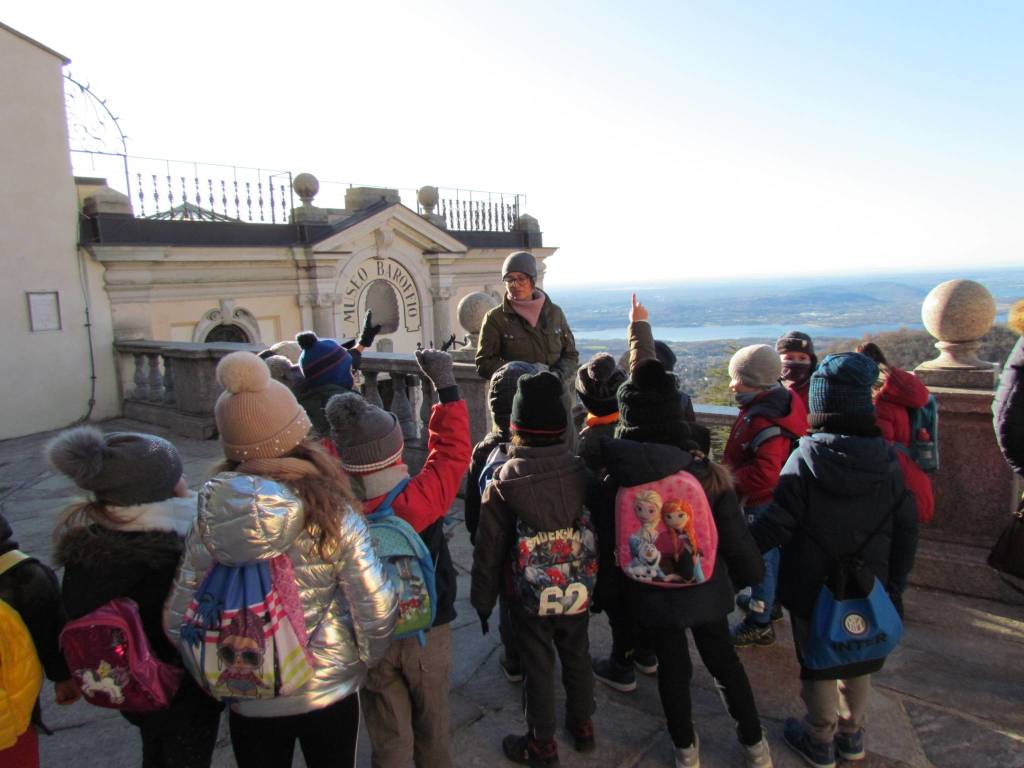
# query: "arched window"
x,y
227,333
383,302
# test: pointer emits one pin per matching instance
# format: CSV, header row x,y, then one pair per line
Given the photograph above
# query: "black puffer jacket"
x,y
31,589
1008,409
833,493
738,562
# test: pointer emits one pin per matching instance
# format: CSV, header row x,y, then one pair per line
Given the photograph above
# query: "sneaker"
x,y
813,752
646,662
688,757
743,603
525,750
583,736
850,746
614,675
748,633
758,755
513,669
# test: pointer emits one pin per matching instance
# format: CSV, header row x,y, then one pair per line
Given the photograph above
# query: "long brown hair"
x,y
324,494
82,514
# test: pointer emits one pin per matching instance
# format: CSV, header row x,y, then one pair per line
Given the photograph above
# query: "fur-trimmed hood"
x,y
130,550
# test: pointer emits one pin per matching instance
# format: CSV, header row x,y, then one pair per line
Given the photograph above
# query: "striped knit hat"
x,y
257,417
324,361
368,438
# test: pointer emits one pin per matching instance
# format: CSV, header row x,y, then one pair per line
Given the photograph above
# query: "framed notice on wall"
x,y
43,310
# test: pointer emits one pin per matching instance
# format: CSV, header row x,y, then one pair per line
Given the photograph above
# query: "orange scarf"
x,y
597,421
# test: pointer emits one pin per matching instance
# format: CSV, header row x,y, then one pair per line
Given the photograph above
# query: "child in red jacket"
x,y
412,678
895,393
770,418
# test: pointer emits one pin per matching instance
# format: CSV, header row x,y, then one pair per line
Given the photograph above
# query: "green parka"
x,y
505,336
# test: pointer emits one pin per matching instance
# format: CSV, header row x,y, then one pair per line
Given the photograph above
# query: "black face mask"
x,y
796,371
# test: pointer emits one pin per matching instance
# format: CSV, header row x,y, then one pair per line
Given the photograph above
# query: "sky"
x,y
654,140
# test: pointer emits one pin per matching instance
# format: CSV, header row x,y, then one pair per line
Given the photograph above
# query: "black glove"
x,y
483,621
369,331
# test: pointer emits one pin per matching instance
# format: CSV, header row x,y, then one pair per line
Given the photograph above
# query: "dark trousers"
x,y
626,640
675,670
538,639
327,737
506,631
183,735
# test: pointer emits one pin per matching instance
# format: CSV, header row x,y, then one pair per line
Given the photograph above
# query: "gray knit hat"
x,y
121,468
756,366
368,438
520,261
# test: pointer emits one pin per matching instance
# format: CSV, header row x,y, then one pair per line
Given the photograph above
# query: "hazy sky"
x,y
661,140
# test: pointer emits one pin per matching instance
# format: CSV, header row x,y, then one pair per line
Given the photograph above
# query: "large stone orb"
x,y
306,186
472,309
958,310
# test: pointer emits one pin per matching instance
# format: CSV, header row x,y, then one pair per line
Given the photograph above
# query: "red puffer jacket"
x,y
903,390
757,472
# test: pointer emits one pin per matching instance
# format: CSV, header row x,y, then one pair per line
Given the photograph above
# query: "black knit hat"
x,y
537,408
797,341
597,383
840,394
651,408
665,355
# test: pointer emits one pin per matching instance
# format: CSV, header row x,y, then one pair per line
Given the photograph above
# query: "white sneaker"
x,y
758,755
688,757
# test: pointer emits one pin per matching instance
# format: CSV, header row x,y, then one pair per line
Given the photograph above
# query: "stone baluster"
x,y
141,389
169,397
426,407
401,407
154,391
370,390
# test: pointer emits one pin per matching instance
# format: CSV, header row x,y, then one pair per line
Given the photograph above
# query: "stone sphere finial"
x,y
306,186
427,197
958,313
471,311
526,223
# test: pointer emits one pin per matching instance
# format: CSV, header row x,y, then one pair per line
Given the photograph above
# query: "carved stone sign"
x,y
353,293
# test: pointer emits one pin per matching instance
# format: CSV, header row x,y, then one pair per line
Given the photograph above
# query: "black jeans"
x,y
538,638
675,670
183,735
327,737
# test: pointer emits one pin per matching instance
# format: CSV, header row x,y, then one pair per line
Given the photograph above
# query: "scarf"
x,y
529,309
378,483
175,514
796,372
597,421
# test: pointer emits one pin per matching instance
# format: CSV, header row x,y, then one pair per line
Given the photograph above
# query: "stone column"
x,y
323,316
974,489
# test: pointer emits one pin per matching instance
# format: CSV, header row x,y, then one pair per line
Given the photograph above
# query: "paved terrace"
x,y
952,696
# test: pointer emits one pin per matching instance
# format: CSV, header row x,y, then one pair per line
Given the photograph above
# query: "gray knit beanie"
x,y
520,261
368,438
756,366
121,468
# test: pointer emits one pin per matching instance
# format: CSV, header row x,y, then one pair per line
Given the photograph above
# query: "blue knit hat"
x,y
324,361
840,392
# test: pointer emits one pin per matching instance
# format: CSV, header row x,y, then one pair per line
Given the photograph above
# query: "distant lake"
x,y
765,331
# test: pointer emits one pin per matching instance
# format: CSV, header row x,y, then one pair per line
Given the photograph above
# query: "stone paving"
x,y
952,696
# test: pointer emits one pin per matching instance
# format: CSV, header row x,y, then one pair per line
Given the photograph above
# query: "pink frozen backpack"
x,y
110,656
665,534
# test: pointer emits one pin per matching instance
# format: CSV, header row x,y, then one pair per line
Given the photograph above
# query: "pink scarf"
x,y
529,309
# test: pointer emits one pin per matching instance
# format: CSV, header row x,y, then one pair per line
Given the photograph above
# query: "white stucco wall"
x,y
45,383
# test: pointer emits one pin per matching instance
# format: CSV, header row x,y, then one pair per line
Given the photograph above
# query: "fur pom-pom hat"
x,y
120,468
1015,318
368,438
324,361
257,417
597,383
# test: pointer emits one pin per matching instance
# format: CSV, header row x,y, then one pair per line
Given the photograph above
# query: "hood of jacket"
x,y
243,518
904,389
847,465
632,463
133,551
545,486
779,406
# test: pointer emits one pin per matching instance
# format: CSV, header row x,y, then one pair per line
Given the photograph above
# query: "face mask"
x,y
746,398
796,371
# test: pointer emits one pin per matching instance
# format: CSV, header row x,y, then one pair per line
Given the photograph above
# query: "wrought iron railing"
x,y
188,190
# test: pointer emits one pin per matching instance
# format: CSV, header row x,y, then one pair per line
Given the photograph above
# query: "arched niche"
x,y
227,314
382,300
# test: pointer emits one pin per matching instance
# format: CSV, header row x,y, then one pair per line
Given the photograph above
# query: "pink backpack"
x,y
113,663
665,534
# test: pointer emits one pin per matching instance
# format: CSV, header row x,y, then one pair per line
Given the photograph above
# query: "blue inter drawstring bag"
x,y
408,565
854,619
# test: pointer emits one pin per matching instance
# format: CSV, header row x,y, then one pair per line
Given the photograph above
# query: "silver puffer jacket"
x,y
349,605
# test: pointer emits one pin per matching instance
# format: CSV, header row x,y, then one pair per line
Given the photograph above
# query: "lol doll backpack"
x,y
665,534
